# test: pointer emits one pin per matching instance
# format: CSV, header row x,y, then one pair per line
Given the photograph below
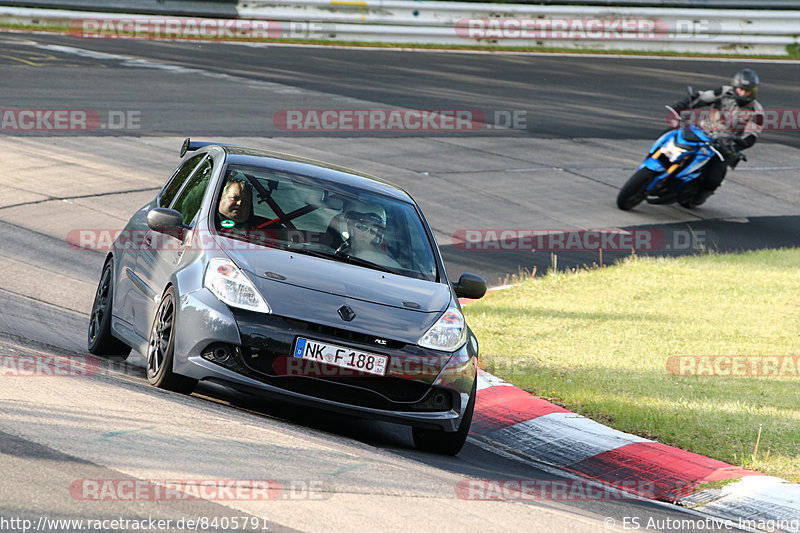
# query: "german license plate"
x,y
340,356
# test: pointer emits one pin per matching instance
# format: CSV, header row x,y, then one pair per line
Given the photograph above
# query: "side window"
x,y
180,175
191,197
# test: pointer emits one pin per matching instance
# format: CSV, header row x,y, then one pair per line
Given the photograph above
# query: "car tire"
x,y
442,442
161,349
634,191
100,340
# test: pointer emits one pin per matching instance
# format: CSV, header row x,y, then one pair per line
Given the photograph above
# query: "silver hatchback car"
x,y
293,280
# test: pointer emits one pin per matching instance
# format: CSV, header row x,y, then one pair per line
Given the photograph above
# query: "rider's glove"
x,y
727,149
730,153
684,103
745,142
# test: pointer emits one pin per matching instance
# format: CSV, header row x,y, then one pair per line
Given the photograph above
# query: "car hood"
x,y
314,289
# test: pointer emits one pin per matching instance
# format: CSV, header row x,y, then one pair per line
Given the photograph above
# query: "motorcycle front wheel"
x,y
635,189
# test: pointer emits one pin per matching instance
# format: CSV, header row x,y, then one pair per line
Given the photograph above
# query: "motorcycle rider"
x,y
735,121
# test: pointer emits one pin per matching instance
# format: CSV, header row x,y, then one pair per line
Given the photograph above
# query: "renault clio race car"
x,y
294,280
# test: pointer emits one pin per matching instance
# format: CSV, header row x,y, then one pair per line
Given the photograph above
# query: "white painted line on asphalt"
x,y
743,59
550,169
128,61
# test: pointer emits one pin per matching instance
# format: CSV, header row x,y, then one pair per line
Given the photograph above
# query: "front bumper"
x,y
251,352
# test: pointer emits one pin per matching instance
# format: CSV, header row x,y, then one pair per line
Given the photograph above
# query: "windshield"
x,y
324,219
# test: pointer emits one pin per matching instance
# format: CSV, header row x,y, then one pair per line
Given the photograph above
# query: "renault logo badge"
x,y
346,313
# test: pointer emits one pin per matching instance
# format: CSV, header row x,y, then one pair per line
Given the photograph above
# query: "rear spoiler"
x,y
190,145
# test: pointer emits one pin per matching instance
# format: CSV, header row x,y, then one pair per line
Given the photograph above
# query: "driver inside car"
x,y
235,211
235,217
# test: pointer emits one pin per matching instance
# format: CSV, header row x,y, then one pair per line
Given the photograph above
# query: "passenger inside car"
x,y
365,235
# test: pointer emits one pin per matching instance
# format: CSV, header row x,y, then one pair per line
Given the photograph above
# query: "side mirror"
x,y
166,221
470,286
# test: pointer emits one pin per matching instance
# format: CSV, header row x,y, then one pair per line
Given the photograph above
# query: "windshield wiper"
x,y
363,262
341,256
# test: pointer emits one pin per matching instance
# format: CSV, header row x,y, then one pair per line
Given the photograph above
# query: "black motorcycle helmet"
x,y
748,80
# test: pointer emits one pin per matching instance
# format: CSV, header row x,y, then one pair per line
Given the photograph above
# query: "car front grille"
x,y
267,343
345,335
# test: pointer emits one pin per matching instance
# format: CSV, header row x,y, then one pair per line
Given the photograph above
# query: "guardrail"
x,y
773,32
576,27
201,7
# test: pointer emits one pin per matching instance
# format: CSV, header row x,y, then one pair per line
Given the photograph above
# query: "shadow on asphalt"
x,y
497,259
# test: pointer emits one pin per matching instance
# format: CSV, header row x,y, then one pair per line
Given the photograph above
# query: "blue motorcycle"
x,y
674,167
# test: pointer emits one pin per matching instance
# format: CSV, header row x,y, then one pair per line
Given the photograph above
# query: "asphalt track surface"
x,y
564,97
240,89
45,446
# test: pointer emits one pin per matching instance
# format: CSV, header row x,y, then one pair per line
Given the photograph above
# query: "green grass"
x,y
792,50
597,342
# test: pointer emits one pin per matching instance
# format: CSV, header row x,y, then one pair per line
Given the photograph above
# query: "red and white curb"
x,y
534,429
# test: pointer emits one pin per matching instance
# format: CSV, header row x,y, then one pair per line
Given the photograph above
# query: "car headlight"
x,y
448,334
230,285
